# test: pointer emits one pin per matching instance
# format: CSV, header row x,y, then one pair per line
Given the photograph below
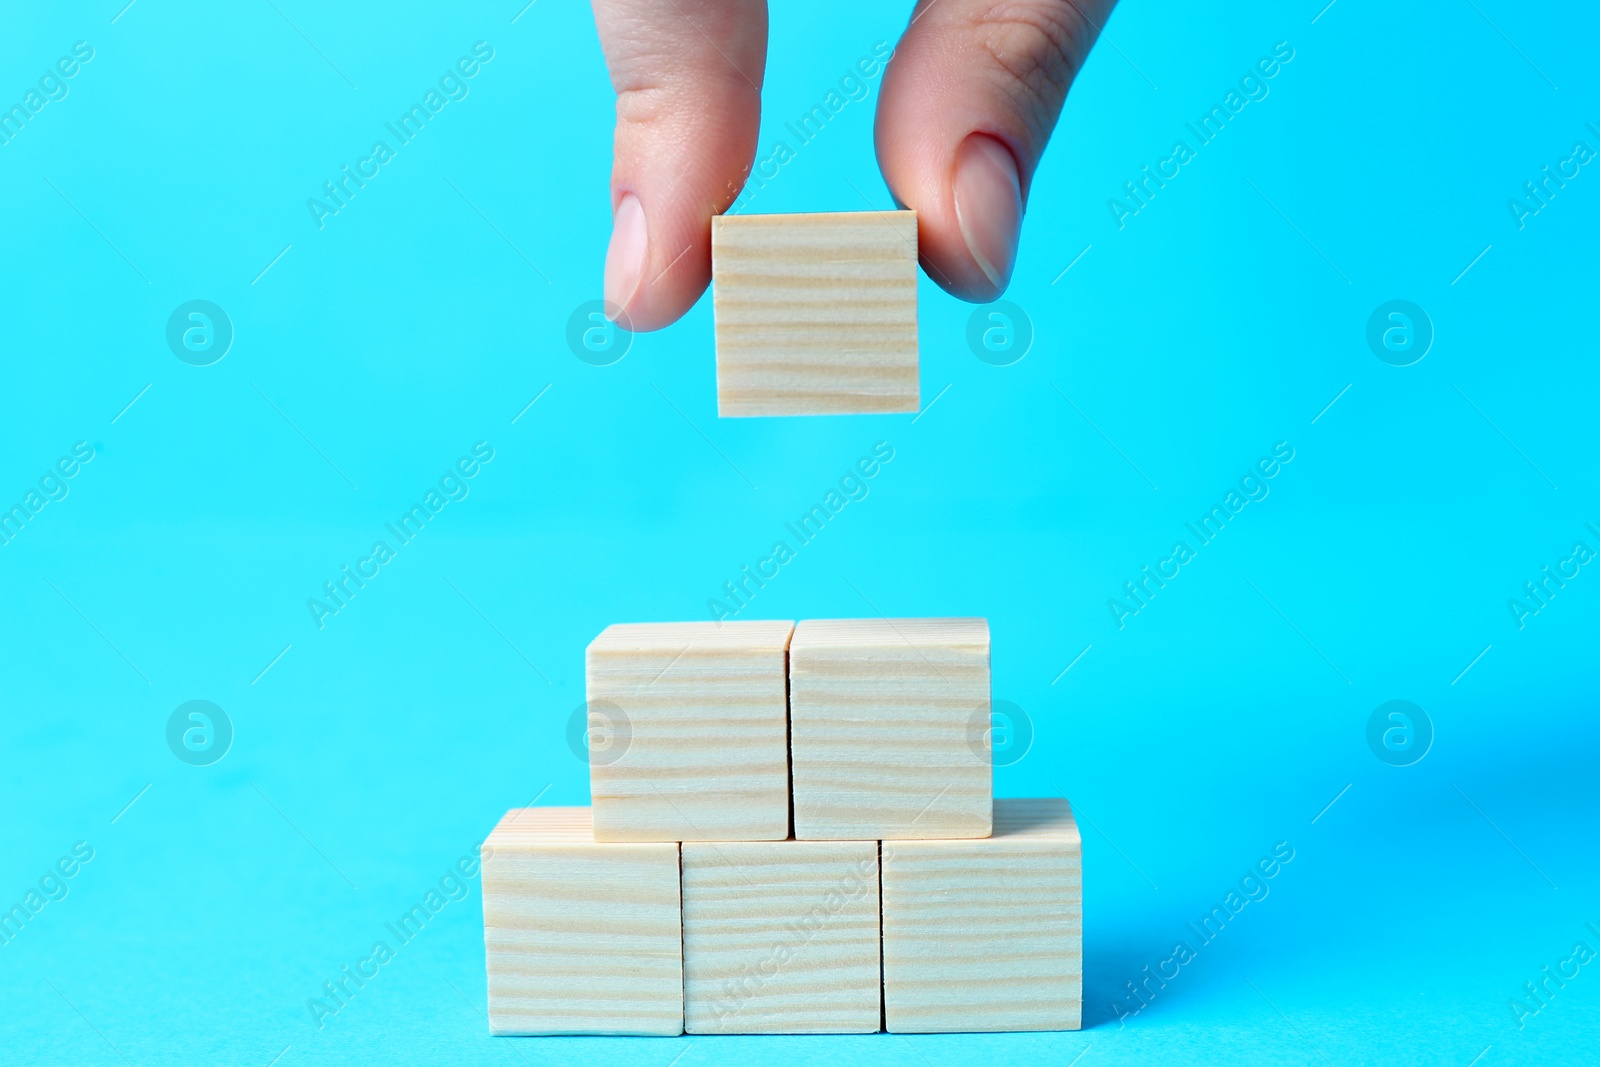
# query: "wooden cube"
x,y
986,935
700,744
781,937
889,728
581,937
815,314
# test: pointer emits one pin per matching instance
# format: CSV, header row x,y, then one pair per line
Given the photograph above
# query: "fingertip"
x,y
658,263
969,203
625,257
967,105
688,76
962,177
986,191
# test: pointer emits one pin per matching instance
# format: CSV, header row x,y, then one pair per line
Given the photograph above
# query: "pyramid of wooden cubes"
x,y
792,830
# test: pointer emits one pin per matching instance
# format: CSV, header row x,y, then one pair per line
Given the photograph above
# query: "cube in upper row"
x,y
883,724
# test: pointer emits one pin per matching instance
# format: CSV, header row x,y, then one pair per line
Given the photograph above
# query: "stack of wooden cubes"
x,y
793,830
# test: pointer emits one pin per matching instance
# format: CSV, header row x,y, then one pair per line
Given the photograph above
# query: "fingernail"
x,y
989,205
630,241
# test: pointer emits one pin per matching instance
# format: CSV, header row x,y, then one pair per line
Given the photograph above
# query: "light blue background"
x,y
1221,319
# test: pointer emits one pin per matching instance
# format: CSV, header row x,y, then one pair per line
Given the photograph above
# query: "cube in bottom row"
x,y
784,936
580,937
986,935
781,937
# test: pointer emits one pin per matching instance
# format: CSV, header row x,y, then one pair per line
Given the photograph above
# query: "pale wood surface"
x,y
706,757
815,313
889,727
986,935
581,937
781,937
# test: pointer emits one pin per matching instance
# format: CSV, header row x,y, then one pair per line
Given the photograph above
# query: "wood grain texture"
x,y
581,937
815,314
889,728
699,750
781,937
986,935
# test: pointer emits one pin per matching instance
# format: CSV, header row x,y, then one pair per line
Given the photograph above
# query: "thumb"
x,y
688,80
966,107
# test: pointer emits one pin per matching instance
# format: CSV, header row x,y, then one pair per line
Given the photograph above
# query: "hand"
x,y
966,106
